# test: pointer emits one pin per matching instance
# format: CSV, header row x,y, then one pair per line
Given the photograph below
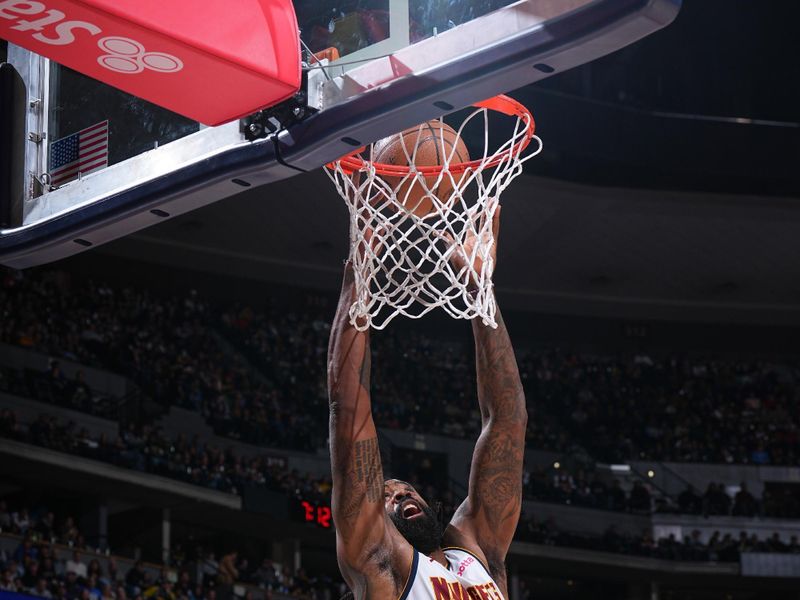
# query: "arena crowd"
x,y
183,351
258,375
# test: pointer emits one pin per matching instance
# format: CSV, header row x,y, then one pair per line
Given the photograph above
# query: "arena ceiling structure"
x,y
668,187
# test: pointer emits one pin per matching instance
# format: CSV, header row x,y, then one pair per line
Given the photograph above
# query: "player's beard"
x,y
424,533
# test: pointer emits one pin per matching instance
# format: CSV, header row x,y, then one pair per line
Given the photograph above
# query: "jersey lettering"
x,y
454,590
457,591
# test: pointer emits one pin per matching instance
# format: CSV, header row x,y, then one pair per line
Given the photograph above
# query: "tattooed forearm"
x,y
363,479
498,487
495,494
500,392
369,475
355,456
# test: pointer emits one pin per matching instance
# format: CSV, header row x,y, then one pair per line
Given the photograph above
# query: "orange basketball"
x,y
434,142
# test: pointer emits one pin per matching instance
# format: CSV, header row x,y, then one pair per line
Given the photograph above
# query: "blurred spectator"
x,y
744,503
21,521
76,565
639,498
135,579
41,589
5,516
689,502
616,497
227,574
209,568
46,527
716,501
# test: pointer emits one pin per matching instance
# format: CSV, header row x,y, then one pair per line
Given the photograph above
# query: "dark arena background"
x,y
163,403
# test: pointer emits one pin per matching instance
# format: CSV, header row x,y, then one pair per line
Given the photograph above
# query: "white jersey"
x,y
466,578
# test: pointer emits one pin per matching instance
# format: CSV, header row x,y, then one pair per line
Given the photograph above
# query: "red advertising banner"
x,y
210,61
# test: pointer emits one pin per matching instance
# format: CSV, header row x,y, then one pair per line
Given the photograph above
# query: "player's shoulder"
x,y
459,542
465,562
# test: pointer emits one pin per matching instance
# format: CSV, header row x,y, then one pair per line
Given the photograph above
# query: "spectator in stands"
x,y
107,591
243,568
209,569
162,590
5,516
81,393
25,551
21,521
69,532
227,575
716,501
112,571
56,377
48,570
198,593
616,497
183,587
46,527
136,579
93,586
647,545
744,503
689,502
639,498
95,569
775,544
41,589
7,582
760,456
31,575
76,565
73,585
612,539
265,576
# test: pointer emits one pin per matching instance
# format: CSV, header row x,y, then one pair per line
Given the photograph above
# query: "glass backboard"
x,y
371,68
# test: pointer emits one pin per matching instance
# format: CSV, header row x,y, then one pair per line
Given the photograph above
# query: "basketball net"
x,y
402,261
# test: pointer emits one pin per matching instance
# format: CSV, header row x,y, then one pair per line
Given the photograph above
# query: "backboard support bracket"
x,y
281,116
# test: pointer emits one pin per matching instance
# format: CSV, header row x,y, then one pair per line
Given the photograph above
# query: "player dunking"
x,y
389,542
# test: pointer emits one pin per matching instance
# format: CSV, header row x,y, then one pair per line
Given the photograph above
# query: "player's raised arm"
x,y
365,543
493,505
489,515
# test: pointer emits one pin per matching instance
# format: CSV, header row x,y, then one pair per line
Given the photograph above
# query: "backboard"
x,y
396,63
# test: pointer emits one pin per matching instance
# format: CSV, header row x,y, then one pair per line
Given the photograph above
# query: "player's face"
x,y
401,498
412,516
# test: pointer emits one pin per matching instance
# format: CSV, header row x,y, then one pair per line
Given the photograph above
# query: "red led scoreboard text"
x,y
317,514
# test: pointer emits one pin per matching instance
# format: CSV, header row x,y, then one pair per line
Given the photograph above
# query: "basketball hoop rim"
x,y
350,163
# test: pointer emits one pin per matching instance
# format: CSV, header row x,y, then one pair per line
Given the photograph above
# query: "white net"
x,y
422,237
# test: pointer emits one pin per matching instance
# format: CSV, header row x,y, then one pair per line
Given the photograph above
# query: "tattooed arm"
x,y
368,549
488,517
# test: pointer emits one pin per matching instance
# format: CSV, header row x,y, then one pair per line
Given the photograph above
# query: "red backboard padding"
x,y
212,61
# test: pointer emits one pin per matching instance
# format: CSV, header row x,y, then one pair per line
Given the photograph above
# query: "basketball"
x,y
434,142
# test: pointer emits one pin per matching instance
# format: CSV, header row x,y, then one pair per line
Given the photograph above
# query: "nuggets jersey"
x,y
466,578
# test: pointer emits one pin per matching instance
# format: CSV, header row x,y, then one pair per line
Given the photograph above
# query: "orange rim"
x,y
506,105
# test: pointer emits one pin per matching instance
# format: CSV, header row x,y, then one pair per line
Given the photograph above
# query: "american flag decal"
x,y
83,152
